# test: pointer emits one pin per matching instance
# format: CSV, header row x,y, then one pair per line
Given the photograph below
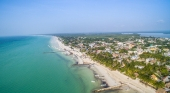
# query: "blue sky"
x,y
22,17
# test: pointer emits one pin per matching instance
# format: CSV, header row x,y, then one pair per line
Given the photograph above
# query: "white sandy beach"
x,y
113,78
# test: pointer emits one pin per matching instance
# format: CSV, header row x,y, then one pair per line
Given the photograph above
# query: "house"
x,y
123,65
108,50
140,67
91,45
167,85
130,52
149,60
116,51
139,51
99,51
81,45
135,52
125,56
153,77
103,43
141,59
167,90
151,41
161,90
136,75
116,48
166,79
167,54
140,40
115,55
120,44
119,60
153,48
166,49
134,57
159,63
153,61
125,47
168,67
111,38
146,50
131,45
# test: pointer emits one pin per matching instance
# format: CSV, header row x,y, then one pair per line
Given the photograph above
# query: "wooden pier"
x,y
104,89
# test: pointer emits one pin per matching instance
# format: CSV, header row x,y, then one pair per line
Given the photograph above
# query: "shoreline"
x,y
112,78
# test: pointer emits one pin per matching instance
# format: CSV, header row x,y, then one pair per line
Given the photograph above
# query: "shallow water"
x,y
27,66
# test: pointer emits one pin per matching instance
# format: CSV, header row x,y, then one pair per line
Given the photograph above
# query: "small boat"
x,y
103,85
92,81
96,75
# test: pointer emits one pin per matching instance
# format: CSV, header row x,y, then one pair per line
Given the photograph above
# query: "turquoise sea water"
x,y
25,68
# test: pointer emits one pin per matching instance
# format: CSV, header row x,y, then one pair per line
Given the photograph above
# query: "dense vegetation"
x,y
126,66
157,56
130,69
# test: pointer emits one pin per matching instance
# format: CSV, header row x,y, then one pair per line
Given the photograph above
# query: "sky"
x,y
26,17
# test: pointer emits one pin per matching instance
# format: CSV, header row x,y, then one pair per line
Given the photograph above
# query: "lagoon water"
x,y
162,35
25,68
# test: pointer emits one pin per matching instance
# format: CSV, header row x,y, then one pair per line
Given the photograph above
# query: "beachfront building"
x,y
167,85
166,79
153,77
161,90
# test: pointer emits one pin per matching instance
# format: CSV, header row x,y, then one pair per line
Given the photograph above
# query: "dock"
x,y
108,88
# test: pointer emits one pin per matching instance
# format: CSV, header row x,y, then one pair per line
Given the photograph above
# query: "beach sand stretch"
x,y
113,78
